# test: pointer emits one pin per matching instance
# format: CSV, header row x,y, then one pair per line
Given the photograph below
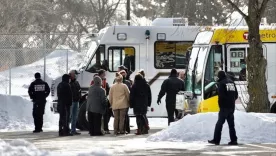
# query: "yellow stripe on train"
x,y
223,36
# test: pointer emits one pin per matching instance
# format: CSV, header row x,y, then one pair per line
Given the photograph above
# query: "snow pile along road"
x,y
20,147
250,127
16,114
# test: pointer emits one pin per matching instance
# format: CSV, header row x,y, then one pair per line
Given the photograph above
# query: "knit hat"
x,y
221,74
65,78
37,76
173,72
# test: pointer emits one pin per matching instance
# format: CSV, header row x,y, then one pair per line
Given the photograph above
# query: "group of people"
x,y
104,101
69,94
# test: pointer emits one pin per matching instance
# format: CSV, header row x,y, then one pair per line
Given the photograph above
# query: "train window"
x,y
214,64
171,54
121,56
237,63
95,63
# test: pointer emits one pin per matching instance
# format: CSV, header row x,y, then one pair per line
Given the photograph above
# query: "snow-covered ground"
x,y
24,148
250,127
16,111
20,147
16,115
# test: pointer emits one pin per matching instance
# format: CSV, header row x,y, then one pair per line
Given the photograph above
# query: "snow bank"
x,y
16,114
19,147
250,127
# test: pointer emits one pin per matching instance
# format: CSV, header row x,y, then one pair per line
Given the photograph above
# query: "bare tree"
x,y
256,63
104,10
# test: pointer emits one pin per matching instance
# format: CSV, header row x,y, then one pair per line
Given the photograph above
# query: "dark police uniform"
x,y
38,92
227,95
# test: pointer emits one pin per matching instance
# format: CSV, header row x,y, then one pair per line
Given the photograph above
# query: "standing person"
x,y
76,93
171,87
65,99
108,111
227,95
119,100
38,92
142,72
140,100
125,81
92,82
128,83
181,76
96,106
120,68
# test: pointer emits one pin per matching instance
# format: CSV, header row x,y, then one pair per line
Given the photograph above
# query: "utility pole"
x,y
128,12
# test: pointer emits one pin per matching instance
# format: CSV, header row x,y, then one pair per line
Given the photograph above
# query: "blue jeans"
x,y
74,115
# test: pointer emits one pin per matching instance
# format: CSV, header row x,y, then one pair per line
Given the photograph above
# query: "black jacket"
x,y
64,94
140,97
127,82
76,90
227,93
273,108
39,90
171,87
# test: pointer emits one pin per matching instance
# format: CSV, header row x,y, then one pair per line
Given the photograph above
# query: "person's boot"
x,y
107,132
144,130
233,143
213,142
36,131
60,133
76,133
138,132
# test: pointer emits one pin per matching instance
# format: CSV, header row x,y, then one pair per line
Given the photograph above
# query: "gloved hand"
x,y
86,115
158,101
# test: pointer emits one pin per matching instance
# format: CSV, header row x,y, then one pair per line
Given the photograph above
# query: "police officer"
x,y
38,92
171,87
227,95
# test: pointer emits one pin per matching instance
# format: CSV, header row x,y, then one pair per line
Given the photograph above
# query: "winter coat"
x,y
39,90
127,82
96,99
140,97
64,93
227,92
273,108
76,90
171,87
119,96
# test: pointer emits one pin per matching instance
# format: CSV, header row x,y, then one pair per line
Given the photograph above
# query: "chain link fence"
x,y
22,55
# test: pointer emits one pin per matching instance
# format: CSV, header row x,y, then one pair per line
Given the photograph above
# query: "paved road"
x,y
131,145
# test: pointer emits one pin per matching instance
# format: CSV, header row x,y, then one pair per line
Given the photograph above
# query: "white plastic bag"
x,y
180,101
